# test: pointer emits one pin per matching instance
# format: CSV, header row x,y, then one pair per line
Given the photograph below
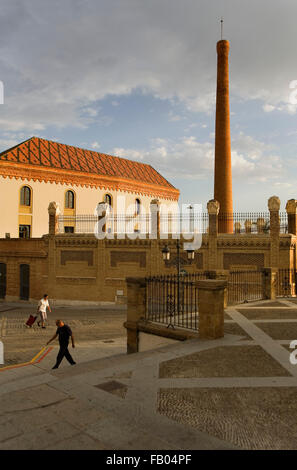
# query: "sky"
x,y
137,79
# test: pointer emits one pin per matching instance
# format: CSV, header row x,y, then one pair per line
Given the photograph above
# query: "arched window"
x,y
137,206
108,199
25,199
69,200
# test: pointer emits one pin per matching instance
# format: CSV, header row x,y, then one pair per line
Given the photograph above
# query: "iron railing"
x,y
241,222
173,300
245,286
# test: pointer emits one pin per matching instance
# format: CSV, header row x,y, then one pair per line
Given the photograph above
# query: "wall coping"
x,y
211,284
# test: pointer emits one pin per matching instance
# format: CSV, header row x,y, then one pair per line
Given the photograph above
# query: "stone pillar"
x,y
155,219
291,208
220,275
211,308
213,208
274,206
101,211
136,307
248,226
237,227
260,225
269,283
53,212
223,172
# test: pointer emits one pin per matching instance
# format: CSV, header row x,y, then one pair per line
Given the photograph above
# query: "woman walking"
x,y
41,310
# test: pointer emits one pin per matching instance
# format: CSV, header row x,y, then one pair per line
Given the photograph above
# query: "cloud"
x,y
95,145
59,58
187,158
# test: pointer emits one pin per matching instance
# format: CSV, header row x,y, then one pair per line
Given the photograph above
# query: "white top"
x,y
43,304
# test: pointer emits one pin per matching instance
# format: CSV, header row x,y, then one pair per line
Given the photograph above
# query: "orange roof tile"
x,y
45,160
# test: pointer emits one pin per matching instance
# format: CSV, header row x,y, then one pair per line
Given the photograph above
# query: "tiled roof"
x,y
85,167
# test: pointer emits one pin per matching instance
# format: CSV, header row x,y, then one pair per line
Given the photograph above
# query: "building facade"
x,y
38,171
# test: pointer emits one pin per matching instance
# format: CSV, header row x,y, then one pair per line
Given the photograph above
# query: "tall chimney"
x,y
223,172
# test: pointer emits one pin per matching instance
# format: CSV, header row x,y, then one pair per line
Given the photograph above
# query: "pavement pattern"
x,y
237,392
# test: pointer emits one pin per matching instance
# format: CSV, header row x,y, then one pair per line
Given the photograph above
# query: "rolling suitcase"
x,y
31,320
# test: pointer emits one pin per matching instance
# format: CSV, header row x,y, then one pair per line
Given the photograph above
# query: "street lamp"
x,y
178,261
166,253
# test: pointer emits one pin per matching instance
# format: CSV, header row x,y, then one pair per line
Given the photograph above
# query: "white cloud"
x,y
268,108
252,161
64,56
95,145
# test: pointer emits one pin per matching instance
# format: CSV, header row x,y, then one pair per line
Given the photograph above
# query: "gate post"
x,y
291,208
269,280
274,206
213,208
211,308
136,307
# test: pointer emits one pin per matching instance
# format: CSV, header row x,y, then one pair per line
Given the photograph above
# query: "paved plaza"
x,y
238,392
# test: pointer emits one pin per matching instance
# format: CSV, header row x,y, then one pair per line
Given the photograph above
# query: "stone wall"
x,y
76,268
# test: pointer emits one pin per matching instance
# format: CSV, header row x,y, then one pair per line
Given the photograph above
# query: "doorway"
x,y
24,281
2,280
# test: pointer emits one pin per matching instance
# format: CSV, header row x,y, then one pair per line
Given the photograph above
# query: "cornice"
x,y
88,180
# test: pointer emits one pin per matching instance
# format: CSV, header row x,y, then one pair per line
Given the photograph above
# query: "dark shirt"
x,y
64,333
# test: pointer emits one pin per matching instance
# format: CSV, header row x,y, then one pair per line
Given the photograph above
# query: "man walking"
x,y
41,309
64,332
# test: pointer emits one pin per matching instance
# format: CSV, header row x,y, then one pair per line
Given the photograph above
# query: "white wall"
x,y
43,193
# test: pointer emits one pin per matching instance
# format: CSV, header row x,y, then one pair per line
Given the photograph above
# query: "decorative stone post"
x,y
291,208
260,225
213,208
248,226
274,206
237,227
101,211
155,219
53,212
136,305
269,283
211,308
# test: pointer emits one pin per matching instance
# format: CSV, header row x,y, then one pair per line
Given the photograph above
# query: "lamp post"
x,y
177,262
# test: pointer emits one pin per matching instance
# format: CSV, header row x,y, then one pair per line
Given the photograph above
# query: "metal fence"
x,y
243,222
173,300
245,286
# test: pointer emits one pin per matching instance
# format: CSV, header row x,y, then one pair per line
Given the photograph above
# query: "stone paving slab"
x,y
286,331
227,361
266,313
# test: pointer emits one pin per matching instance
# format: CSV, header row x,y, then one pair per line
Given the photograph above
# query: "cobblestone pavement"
x,y
238,392
88,324
244,394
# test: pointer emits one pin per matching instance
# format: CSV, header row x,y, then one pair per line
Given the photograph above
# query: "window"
x,y
108,199
69,200
69,229
25,196
24,231
137,206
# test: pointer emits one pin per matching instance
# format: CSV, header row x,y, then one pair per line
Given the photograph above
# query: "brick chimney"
x,y
223,172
